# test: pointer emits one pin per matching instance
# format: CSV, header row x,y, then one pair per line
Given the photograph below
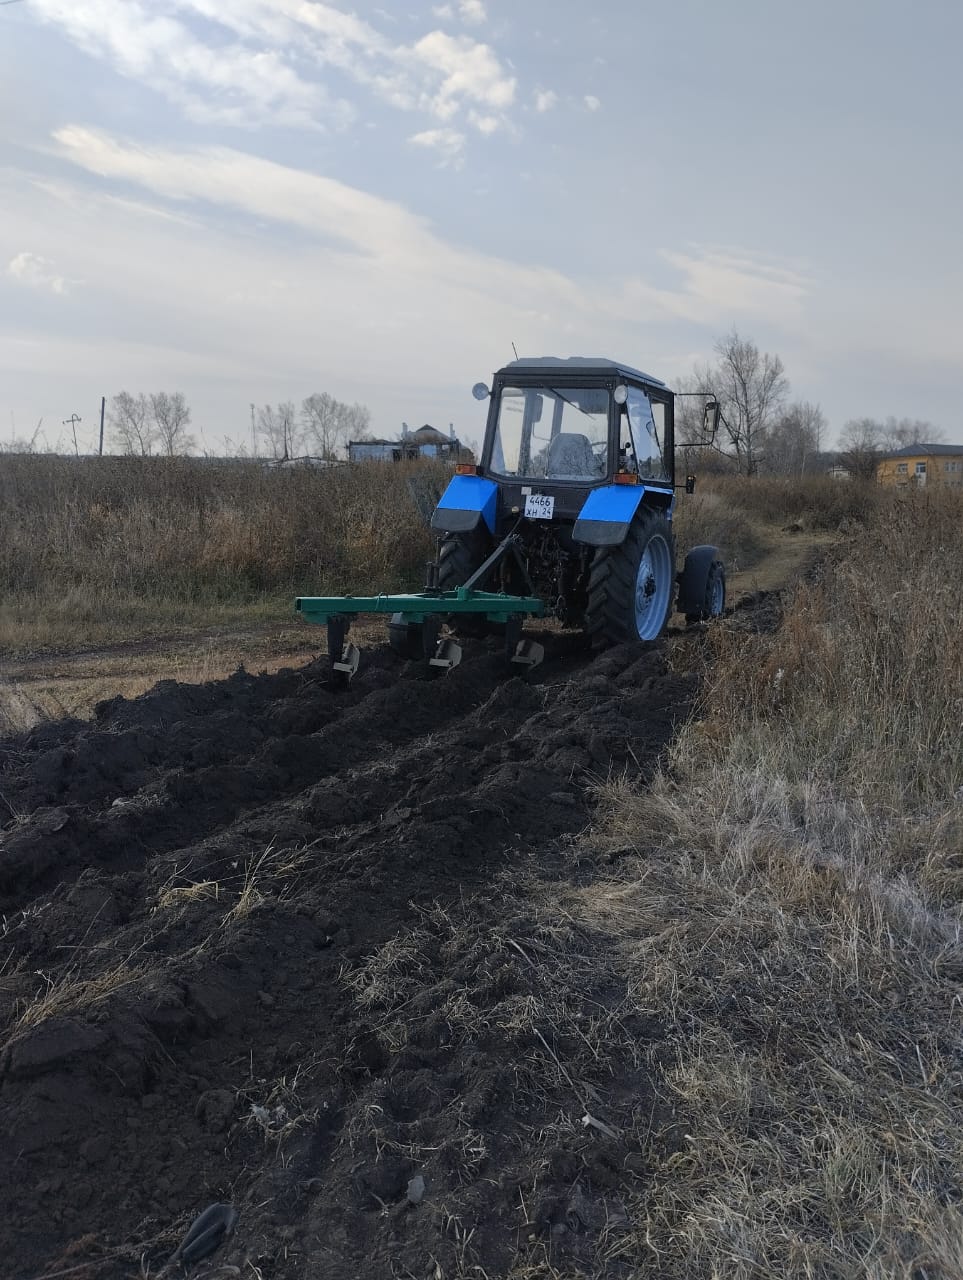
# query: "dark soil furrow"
x,y
283,961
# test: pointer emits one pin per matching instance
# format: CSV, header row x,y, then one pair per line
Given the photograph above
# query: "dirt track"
x,y
267,947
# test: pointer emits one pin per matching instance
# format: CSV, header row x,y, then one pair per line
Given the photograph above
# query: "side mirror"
x,y
710,419
480,391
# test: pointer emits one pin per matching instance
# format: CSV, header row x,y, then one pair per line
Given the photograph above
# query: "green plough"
x,y
414,628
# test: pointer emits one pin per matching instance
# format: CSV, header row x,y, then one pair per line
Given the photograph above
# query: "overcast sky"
x,y
253,200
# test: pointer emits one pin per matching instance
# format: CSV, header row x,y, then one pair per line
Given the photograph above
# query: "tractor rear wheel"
x,y
461,554
631,586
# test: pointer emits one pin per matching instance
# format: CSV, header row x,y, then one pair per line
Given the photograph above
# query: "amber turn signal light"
x,y
466,469
626,477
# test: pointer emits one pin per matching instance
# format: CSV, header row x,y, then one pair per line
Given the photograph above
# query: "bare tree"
x,y
898,433
132,424
172,417
752,387
860,443
25,444
279,427
331,424
689,406
863,441
794,438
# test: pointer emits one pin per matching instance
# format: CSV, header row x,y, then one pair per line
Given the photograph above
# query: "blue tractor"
x,y
567,514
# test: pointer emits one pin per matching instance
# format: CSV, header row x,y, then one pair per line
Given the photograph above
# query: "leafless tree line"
x,y
151,424
146,425
863,440
321,424
763,430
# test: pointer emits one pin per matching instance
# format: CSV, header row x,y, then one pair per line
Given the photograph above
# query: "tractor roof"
x,y
577,364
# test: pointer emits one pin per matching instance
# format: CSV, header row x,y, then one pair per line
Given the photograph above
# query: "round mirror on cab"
x,y
620,394
480,391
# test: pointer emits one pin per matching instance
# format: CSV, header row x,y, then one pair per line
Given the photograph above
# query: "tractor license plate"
x,y
540,506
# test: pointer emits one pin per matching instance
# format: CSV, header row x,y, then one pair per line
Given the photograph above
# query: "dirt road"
x,y
293,949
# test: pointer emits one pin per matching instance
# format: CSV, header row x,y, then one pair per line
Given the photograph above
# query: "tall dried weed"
x,y
789,906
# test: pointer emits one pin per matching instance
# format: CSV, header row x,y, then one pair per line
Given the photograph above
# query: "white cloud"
x,y
719,283
254,62
37,273
360,225
367,299
469,71
473,11
545,99
484,124
223,82
443,11
716,283
448,143
591,102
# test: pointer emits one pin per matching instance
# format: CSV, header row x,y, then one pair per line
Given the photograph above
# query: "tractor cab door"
x,y
642,443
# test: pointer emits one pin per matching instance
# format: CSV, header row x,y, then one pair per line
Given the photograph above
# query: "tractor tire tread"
x,y
611,584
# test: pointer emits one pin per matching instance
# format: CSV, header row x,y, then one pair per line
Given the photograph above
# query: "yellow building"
x,y
922,464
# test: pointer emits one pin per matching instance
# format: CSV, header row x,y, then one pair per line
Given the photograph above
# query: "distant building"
x,y
426,442
922,464
379,451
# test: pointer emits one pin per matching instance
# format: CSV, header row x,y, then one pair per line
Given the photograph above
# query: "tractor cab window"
x,y
646,435
552,433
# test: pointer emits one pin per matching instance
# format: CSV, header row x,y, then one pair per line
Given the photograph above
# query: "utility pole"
x,y
253,435
72,422
103,406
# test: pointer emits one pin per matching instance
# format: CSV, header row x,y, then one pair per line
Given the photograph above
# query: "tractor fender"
x,y
467,501
694,578
608,512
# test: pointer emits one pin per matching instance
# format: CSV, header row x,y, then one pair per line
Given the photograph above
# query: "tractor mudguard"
x,y
467,500
694,578
609,511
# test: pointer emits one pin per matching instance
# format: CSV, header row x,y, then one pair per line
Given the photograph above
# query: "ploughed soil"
x,y
291,948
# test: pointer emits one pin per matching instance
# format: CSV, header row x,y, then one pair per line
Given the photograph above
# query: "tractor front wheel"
x,y
631,586
714,603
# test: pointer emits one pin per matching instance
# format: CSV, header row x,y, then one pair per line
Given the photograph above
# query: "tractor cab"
x,y
576,421
565,441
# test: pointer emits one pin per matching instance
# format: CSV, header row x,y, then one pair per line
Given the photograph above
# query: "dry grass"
x,y
18,710
789,904
817,502
707,517
96,550
273,875
74,993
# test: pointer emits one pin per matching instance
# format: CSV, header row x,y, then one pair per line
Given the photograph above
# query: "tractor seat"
x,y
570,457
